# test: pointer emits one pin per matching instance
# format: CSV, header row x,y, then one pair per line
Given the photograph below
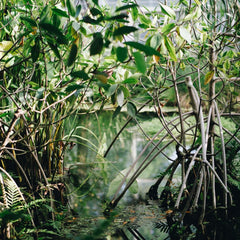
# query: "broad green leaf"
x,y
60,12
80,74
167,28
94,11
119,18
73,87
130,80
168,11
55,49
146,21
140,62
125,91
120,97
30,21
122,54
208,77
185,34
131,109
171,49
124,30
97,44
35,50
72,55
128,6
70,8
116,112
112,89
134,13
5,46
149,51
39,93
53,30
155,41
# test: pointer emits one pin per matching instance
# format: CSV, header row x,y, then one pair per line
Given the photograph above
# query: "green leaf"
x,y
39,93
112,89
118,17
146,21
134,13
185,34
55,49
167,28
80,74
73,87
60,12
116,112
72,55
155,41
122,54
131,109
171,50
97,44
167,10
149,51
128,6
124,30
94,11
53,30
70,8
35,50
30,21
120,97
140,62
130,80
208,77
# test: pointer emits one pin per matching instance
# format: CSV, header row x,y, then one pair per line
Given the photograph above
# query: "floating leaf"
x,y
122,53
128,6
170,48
72,55
124,30
97,44
146,49
60,12
140,62
208,77
185,34
80,74
168,11
131,109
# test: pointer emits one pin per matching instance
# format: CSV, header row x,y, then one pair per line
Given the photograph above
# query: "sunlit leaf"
x,y
122,54
97,44
134,13
131,109
185,34
168,11
208,77
130,80
149,51
120,97
170,48
155,41
124,30
140,62
60,12
167,28
70,8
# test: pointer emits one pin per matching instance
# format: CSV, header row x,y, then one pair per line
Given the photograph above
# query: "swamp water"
x,y
93,180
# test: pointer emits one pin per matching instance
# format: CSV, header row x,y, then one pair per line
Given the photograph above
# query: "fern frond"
x,y
162,226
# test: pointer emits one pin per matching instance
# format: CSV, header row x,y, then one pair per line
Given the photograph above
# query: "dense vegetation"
x,y
59,60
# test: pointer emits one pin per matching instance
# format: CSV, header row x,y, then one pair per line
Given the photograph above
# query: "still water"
x,y
93,180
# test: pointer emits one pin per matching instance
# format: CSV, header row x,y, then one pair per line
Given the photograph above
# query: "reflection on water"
x,y
89,175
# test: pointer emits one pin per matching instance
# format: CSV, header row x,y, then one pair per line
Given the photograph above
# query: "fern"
x,y
162,226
